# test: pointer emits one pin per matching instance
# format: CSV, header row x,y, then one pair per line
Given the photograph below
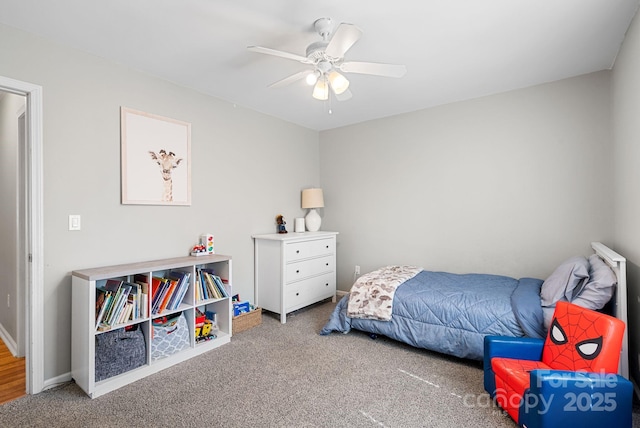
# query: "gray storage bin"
x,y
119,351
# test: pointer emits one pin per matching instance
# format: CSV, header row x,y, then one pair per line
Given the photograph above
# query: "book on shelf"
x,y
133,299
208,286
180,290
167,295
217,284
144,304
140,278
125,313
120,299
220,285
169,291
197,290
103,300
139,300
114,295
142,281
159,287
113,286
212,288
203,285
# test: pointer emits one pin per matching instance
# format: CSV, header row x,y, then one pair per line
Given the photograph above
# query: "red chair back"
x,y
580,339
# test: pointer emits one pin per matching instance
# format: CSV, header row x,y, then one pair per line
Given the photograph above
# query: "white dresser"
x,y
294,270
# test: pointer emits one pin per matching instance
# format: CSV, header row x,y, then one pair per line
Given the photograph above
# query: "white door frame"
x,y
34,293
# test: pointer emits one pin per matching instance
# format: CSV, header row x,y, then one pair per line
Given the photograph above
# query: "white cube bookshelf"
x,y
83,321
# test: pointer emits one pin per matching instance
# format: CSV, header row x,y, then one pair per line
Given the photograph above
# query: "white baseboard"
x,y
58,380
8,340
341,294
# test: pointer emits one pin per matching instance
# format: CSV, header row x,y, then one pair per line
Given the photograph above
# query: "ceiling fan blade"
x,y
290,79
377,69
343,38
281,54
346,95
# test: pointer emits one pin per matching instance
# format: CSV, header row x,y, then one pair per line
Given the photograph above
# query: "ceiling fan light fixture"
x,y
327,57
339,83
321,90
312,78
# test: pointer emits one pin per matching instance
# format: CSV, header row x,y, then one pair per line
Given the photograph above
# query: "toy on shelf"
x,y
204,247
199,250
206,326
281,224
207,241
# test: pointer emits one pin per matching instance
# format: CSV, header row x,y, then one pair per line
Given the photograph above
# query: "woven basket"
x,y
246,321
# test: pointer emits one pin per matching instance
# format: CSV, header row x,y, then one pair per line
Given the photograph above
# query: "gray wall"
x,y
509,184
10,105
626,150
239,184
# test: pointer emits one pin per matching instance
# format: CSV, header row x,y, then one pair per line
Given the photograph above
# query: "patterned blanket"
x,y
371,296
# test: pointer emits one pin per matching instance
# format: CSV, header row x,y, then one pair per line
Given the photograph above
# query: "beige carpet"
x,y
284,376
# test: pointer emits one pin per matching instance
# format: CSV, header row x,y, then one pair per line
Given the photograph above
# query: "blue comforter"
x,y
451,313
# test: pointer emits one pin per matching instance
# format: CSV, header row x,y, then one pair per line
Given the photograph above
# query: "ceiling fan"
x,y
327,60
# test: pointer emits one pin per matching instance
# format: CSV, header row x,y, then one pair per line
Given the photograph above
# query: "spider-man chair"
x,y
567,380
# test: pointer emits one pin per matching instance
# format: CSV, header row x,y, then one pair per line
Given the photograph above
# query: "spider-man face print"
x,y
577,339
587,349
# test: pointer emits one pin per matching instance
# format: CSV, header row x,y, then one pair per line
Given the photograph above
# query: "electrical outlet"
x,y
357,270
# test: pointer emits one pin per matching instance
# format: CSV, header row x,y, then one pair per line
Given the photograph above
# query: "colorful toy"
x,y
206,329
207,241
281,224
199,250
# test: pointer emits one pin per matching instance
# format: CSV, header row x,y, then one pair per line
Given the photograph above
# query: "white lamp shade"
x,y
312,198
321,90
339,83
312,78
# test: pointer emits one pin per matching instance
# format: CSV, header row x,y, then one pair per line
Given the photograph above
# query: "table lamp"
x,y
312,199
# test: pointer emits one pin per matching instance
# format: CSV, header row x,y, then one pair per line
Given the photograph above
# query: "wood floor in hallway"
x,y
12,375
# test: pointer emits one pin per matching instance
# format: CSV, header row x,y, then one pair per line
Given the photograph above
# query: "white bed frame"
x,y
619,265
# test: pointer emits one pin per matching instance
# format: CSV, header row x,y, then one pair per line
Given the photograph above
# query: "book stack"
x,y
168,291
209,285
118,302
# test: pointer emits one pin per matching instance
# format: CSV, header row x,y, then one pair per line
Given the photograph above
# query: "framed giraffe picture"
x,y
156,159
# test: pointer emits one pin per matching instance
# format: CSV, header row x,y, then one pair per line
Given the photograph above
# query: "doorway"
x,y
30,339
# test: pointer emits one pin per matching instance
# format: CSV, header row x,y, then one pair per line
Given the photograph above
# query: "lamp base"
x,y
313,220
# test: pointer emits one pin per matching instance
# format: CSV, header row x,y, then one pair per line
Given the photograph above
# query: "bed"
x,y
451,313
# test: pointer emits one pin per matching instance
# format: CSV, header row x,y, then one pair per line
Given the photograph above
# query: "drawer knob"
x,y
327,246
327,264
297,294
298,271
327,284
297,251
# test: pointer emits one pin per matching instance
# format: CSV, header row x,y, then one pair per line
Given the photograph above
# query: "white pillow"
x,y
571,274
599,289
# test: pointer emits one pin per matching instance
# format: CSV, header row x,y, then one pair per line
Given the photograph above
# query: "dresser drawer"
x,y
303,250
307,268
309,291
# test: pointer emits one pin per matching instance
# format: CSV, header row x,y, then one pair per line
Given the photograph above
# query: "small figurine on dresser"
x,y
281,224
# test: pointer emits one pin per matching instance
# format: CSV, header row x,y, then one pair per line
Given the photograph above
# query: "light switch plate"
x,y
74,222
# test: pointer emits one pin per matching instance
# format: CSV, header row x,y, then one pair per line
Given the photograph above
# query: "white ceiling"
x,y
453,49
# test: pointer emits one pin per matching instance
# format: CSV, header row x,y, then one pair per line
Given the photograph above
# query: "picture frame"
x,y
155,159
